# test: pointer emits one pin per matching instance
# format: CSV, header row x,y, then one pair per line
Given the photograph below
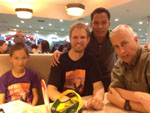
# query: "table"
x,y
108,108
21,107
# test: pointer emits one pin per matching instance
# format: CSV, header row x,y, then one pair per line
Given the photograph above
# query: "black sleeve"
x,y
55,76
95,71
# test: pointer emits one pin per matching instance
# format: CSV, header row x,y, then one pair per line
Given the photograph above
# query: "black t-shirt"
x,y
77,75
105,56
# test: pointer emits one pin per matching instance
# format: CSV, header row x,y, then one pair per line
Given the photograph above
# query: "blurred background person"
x,y
62,48
9,44
34,49
53,48
3,47
44,46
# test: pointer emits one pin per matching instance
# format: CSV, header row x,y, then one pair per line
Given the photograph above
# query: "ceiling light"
x,y
42,27
141,36
116,19
140,22
61,20
140,29
30,26
87,23
22,21
75,9
17,25
24,13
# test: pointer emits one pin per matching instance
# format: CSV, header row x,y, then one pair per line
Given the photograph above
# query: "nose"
x,y
20,61
99,25
79,40
122,50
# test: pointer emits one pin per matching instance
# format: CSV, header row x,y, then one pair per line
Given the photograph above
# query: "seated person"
x,y
44,46
77,70
3,47
130,85
62,48
19,83
34,49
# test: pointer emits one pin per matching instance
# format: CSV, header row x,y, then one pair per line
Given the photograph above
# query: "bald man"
x,y
130,77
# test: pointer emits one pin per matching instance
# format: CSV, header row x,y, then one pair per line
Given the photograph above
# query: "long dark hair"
x,y
45,46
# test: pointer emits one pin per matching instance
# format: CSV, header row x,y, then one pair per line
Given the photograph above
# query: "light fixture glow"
x,y
17,25
61,20
116,19
140,22
87,23
22,21
24,13
75,9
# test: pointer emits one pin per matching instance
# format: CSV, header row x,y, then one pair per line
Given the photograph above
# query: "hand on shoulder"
x,y
55,58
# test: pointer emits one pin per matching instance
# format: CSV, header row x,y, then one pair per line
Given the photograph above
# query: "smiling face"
x,y
79,40
100,24
19,59
125,44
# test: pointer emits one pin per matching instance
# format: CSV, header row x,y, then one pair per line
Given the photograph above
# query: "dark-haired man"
x,y
100,45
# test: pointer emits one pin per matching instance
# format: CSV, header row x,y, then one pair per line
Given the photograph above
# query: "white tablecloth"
x,y
21,107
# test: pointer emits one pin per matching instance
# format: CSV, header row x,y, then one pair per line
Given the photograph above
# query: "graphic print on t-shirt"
x,y
75,80
19,91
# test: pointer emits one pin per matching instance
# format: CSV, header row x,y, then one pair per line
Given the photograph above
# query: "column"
x,y
148,29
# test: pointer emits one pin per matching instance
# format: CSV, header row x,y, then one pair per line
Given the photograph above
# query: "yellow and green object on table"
x,y
72,105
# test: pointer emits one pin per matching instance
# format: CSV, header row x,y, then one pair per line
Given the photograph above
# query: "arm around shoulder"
x,y
55,58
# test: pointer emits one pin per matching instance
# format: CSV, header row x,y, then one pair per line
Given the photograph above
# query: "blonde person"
x,y
78,70
20,83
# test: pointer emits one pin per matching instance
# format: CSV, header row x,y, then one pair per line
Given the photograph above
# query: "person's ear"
x,y
70,38
136,39
88,39
10,58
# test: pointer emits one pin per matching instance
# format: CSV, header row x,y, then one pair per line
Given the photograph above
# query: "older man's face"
x,y
125,46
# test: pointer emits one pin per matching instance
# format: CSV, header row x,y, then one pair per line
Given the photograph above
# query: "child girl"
x,y
19,83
